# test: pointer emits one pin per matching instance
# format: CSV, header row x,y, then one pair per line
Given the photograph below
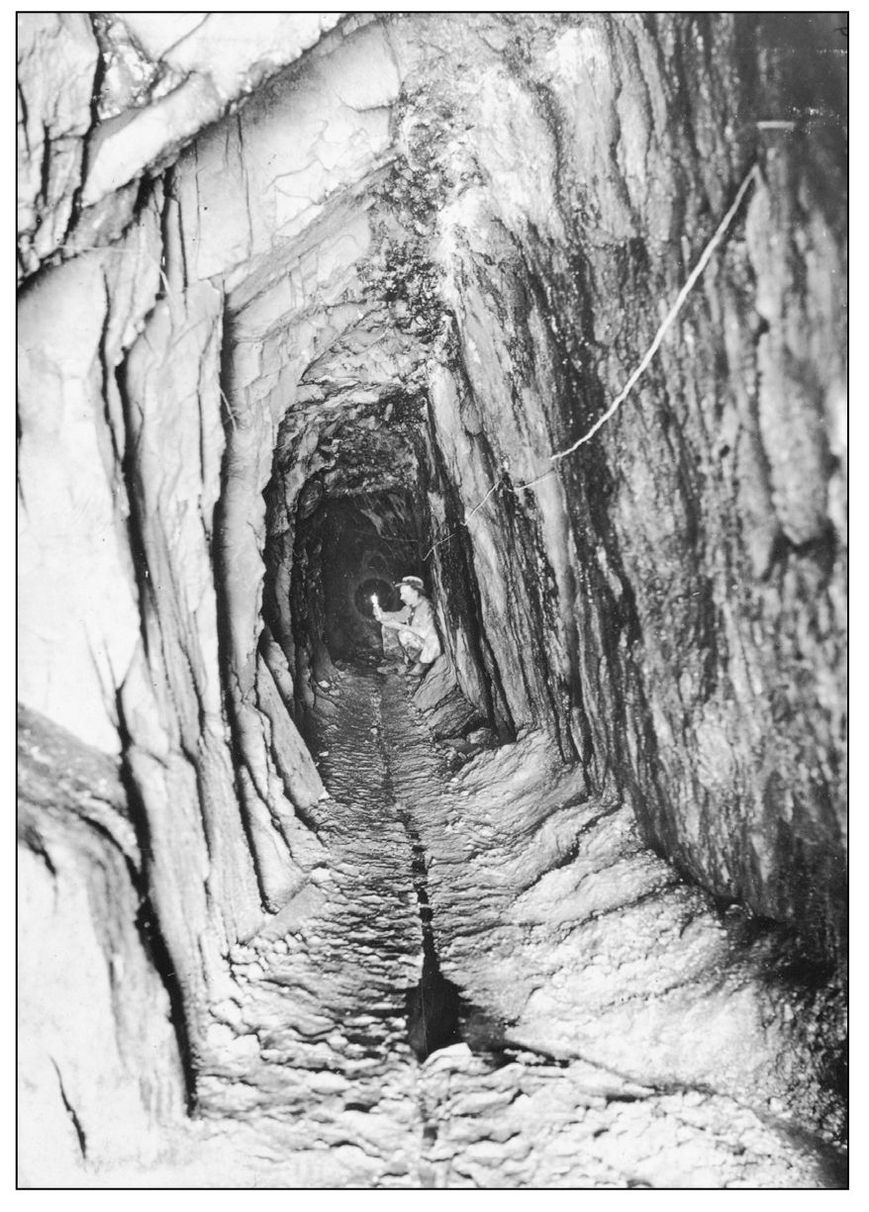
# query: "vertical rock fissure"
x,y
147,921
239,764
154,946
71,1112
136,519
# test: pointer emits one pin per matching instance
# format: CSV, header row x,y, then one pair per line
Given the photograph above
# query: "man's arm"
x,y
395,620
402,627
423,617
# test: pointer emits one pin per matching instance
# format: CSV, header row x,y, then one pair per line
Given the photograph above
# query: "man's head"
x,y
410,590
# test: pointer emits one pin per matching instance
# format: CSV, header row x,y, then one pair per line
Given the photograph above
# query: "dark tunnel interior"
x,y
347,549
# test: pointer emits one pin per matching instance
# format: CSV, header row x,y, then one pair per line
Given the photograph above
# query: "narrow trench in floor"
x,y
433,1006
439,1014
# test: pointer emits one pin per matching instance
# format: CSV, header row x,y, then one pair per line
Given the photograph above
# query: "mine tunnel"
x,y
546,310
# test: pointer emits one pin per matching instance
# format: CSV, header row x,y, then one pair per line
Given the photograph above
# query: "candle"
x,y
374,602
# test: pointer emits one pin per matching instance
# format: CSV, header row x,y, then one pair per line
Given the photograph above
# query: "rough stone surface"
x,y
129,89
78,590
57,65
100,1070
685,568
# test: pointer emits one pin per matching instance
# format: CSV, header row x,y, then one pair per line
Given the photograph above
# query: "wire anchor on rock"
x,y
497,484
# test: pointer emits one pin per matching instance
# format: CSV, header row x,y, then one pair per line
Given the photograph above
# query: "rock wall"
x,y
671,599
101,1074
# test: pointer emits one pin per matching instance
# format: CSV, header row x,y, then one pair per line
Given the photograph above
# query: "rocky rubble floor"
x,y
613,1030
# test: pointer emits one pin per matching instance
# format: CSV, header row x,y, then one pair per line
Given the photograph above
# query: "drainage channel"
x,y
433,1007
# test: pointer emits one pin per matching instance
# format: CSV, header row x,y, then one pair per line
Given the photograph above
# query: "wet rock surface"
x,y
316,1070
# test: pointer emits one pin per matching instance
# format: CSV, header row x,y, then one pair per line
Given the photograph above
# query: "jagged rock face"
x,y
153,81
100,1063
683,572
408,268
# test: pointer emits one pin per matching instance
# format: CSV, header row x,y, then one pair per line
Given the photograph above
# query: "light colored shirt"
x,y
422,620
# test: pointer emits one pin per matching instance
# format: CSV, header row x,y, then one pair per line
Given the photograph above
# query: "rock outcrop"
x,y
102,1075
309,303
105,99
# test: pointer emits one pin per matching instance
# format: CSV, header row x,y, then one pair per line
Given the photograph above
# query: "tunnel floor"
x,y
536,1079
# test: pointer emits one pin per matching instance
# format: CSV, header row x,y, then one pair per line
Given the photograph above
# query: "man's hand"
x,y
378,613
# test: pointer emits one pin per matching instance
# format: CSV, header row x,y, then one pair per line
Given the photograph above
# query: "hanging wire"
x,y
751,177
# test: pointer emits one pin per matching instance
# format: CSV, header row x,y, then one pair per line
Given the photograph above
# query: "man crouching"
x,y
417,632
